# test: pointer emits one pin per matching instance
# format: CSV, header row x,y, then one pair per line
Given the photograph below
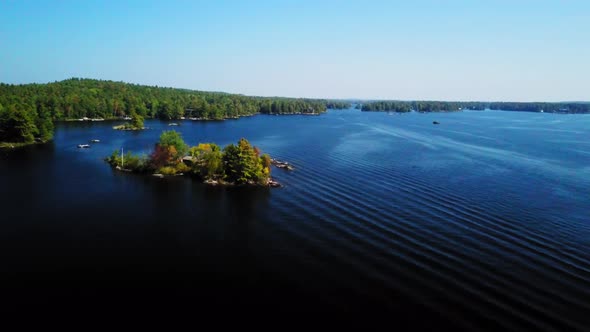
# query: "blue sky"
x,y
428,50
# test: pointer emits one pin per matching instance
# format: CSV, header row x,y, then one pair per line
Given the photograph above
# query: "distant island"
x,y
240,164
27,111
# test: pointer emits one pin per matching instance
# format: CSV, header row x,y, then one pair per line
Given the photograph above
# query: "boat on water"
x,y
173,124
435,122
83,146
94,141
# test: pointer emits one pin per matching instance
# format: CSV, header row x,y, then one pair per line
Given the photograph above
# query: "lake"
x,y
480,222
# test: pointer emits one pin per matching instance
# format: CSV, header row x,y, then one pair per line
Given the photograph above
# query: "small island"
x,y
136,123
235,164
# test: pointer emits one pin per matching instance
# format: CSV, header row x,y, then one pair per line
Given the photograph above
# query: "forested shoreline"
x,y
443,106
27,111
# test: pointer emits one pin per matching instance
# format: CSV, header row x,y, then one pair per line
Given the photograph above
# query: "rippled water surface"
x,y
480,222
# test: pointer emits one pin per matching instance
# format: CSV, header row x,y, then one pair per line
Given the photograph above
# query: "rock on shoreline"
x,y
270,183
123,127
282,164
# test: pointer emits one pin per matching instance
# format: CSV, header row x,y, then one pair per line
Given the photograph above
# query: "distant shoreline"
x,y
439,106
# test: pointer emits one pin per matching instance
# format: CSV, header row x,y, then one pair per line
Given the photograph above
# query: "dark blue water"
x,y
481,222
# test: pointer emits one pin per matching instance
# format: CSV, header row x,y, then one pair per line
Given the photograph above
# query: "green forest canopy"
x,y
27,111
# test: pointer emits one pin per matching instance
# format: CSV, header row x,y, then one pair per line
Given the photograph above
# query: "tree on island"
x,y
173,139
166,158
243,164
163,156
136,121
207,160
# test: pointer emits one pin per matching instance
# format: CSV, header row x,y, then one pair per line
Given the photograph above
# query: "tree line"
x,y
443,106
27,111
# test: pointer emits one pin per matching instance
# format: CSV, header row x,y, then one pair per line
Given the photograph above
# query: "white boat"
x,y
173,124
83,146
94,141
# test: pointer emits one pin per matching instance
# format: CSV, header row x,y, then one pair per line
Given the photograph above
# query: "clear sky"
x,y
517,50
